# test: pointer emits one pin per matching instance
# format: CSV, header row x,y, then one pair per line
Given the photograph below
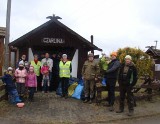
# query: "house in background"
x,y
53,37
155,54
2,39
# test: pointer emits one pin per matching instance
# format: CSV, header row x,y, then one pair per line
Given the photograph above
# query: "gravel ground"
x,y
49,108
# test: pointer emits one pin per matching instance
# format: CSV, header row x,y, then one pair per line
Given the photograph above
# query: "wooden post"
x,y
92,51
6,63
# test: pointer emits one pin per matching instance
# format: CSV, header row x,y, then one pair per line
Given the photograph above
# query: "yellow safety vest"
x,y
36,67
64,69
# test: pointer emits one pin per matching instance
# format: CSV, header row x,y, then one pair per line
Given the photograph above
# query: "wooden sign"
x,y
53,40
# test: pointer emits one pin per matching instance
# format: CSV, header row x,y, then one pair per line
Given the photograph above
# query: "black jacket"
x,y
130,78
112,71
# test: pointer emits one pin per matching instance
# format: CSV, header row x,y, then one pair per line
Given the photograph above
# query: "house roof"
x,y
2,31
46,25
153,52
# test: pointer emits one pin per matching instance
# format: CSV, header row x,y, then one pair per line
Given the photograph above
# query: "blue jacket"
x,y
8,80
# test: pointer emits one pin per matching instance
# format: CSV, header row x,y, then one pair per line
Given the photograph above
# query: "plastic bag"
x,y
78,91
72,88
104,82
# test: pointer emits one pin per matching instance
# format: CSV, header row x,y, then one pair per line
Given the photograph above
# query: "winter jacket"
x,y
112,71
129,78
45,69
8,80
20,75
31,80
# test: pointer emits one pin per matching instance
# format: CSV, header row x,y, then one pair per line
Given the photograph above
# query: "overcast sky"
x,y
114,23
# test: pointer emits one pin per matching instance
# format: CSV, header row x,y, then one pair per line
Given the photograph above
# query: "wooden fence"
x,y
3,94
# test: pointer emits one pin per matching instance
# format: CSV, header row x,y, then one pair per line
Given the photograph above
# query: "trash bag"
x,y
73,80
78,91
59,89
104,82
81,82
72,88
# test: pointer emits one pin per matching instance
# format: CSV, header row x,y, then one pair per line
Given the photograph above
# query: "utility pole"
x,y
6,58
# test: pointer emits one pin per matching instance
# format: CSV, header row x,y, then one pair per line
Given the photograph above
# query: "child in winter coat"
x,y
31,83
20,75
45,80
8,80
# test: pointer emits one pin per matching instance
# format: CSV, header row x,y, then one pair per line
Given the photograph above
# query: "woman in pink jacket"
x,y
31,83
20,74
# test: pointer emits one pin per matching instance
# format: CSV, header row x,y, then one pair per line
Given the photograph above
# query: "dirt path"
x,y
51,109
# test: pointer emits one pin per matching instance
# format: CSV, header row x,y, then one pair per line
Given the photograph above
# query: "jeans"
x,y
13,96
45,84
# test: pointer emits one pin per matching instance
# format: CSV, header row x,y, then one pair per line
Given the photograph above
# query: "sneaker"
x,y
131,112
111,108
119,111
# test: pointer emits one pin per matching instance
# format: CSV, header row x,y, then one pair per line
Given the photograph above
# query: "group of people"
x,y
38,75
112,70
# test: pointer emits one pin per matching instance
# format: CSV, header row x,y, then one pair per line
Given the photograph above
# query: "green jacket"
x,y
90,70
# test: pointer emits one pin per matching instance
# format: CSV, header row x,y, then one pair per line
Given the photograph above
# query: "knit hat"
x,y
128,57
21,63
114,54
10,68
64,55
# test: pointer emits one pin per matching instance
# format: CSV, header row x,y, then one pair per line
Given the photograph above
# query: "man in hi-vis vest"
x,y
65,69
37,65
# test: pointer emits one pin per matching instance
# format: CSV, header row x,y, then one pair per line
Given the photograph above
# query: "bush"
x,y
142,60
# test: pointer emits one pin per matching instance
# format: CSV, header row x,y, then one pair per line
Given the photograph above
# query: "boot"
x,y
131,112
120,111
111,108
86,100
